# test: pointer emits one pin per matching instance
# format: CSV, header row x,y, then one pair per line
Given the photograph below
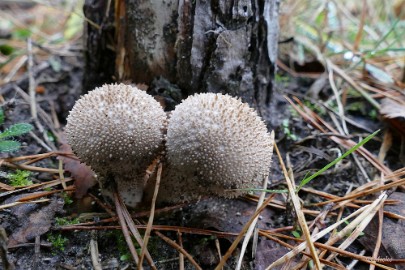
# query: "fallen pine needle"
x,y
8,205
151,216
242,233
322,233
298,211
179,249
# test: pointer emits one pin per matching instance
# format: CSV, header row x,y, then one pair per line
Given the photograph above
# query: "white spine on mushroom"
x,y
117,130
215,143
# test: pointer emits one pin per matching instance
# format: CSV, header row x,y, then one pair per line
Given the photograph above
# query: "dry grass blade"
x,y
385,146
275,239
322,233
350,204
94,253
42,185
360,30
8,205
85,226
151,216
379,235
356,194
181,255
36,157
242,233
28,167
396,174
280,205
368,260
132,227
41,194
124,227
359,224
352,225
31,86
253,225
104,206
61,175
298,211
317,122
340,106
7,264
6,187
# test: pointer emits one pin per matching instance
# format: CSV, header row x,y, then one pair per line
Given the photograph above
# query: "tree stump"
x,y
197,46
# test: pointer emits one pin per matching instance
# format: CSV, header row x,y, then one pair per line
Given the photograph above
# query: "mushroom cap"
x,y
117,130
218,143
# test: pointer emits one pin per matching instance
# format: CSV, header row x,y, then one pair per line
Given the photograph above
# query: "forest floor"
x,y
52,215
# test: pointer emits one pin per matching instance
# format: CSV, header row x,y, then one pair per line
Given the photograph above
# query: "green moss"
x,y
65,221
19,178
287,131
67,198
58,242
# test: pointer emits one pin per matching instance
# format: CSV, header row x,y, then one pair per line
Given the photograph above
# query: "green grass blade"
x,y
392,28
306,180
264,190
16,130
273,190
9,146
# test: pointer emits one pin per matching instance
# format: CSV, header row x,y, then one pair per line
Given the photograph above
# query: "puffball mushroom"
x,y
215,145
117,130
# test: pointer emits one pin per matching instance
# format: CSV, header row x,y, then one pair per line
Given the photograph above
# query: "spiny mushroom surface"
x,y
215,143
117,130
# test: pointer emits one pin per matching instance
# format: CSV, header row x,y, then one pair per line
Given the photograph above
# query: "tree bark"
x,y
220,46
99,38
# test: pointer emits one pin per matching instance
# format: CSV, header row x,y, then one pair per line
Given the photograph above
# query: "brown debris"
x,y
82,174
34,220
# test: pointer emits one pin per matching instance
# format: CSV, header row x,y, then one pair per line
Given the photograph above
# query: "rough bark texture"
x,y
99,38
99,54
199,46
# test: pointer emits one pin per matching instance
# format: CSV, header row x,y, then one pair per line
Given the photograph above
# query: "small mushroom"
x,y
117,130
216,145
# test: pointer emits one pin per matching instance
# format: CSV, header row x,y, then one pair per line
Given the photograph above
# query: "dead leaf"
x,y
34,220
267,253
379,74
82,174
393,112
392,108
